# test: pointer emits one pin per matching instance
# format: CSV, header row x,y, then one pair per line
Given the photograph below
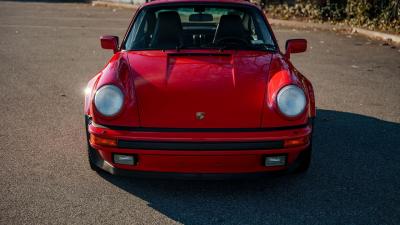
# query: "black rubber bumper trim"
x,y
200,145
156,129
194,176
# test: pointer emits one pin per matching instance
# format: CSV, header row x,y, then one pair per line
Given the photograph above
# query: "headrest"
x,y
230,26
168,30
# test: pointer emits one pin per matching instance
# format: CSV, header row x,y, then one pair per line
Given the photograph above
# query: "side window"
x,y
130,41
248,24
252,27
142,31
261,30
253,32
146,26
256,33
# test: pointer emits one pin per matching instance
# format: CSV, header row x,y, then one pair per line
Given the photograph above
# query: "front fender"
x,y
310,89
281,73
117,72
89,92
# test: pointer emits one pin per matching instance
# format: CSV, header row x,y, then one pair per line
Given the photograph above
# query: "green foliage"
x,y
299,10
371,14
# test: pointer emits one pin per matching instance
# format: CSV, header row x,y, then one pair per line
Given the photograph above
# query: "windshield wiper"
x,y
259,47
231,46
227,46
177,48
180,46
234,46
266,47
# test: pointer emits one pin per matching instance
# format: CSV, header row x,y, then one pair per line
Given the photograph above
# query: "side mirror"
x,y
295,46
109,42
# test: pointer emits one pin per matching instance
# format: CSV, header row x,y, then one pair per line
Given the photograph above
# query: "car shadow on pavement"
x,y
353,179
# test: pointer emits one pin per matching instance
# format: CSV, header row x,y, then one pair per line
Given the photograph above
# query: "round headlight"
x,y
109,100
291,101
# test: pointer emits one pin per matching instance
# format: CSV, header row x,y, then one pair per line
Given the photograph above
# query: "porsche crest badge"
x,y
200,115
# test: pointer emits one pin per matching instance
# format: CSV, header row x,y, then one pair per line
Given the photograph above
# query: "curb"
x,y
389,38
115,5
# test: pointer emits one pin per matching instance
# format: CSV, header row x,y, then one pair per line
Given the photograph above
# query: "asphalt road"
x,y
49,51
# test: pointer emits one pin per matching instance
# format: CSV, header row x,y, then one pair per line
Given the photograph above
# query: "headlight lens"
x,y
291,101
109,100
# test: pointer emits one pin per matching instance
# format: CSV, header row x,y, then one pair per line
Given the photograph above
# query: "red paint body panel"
x,y
171,87
118,72
165,89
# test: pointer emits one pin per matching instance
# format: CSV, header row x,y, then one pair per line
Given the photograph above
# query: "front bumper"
x,y
197,154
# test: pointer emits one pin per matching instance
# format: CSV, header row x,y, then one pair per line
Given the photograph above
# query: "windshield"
x,y
199,27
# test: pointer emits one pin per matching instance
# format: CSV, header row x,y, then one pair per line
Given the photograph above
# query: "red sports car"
x,y
199,88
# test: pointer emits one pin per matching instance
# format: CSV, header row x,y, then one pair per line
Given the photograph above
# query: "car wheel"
x,y
305,161
91,152
91,157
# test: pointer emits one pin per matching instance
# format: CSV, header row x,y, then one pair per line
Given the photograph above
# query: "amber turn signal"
x,y
296,142
102,141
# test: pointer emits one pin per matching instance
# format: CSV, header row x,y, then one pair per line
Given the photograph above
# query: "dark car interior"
x,y
174,29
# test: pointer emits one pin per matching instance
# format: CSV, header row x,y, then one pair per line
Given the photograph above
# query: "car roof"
x,y
240,2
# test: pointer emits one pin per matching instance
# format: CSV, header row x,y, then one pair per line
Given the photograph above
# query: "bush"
x,y
382,15
371,14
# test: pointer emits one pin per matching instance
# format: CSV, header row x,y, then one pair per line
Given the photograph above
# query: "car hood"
x,y
200,89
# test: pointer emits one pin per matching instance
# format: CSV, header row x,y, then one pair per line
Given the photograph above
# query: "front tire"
x,y
305,161
91,152
305,156
92,159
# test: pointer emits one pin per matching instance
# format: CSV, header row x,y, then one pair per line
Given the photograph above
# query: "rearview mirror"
x,y
109,42
295,46
201,17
